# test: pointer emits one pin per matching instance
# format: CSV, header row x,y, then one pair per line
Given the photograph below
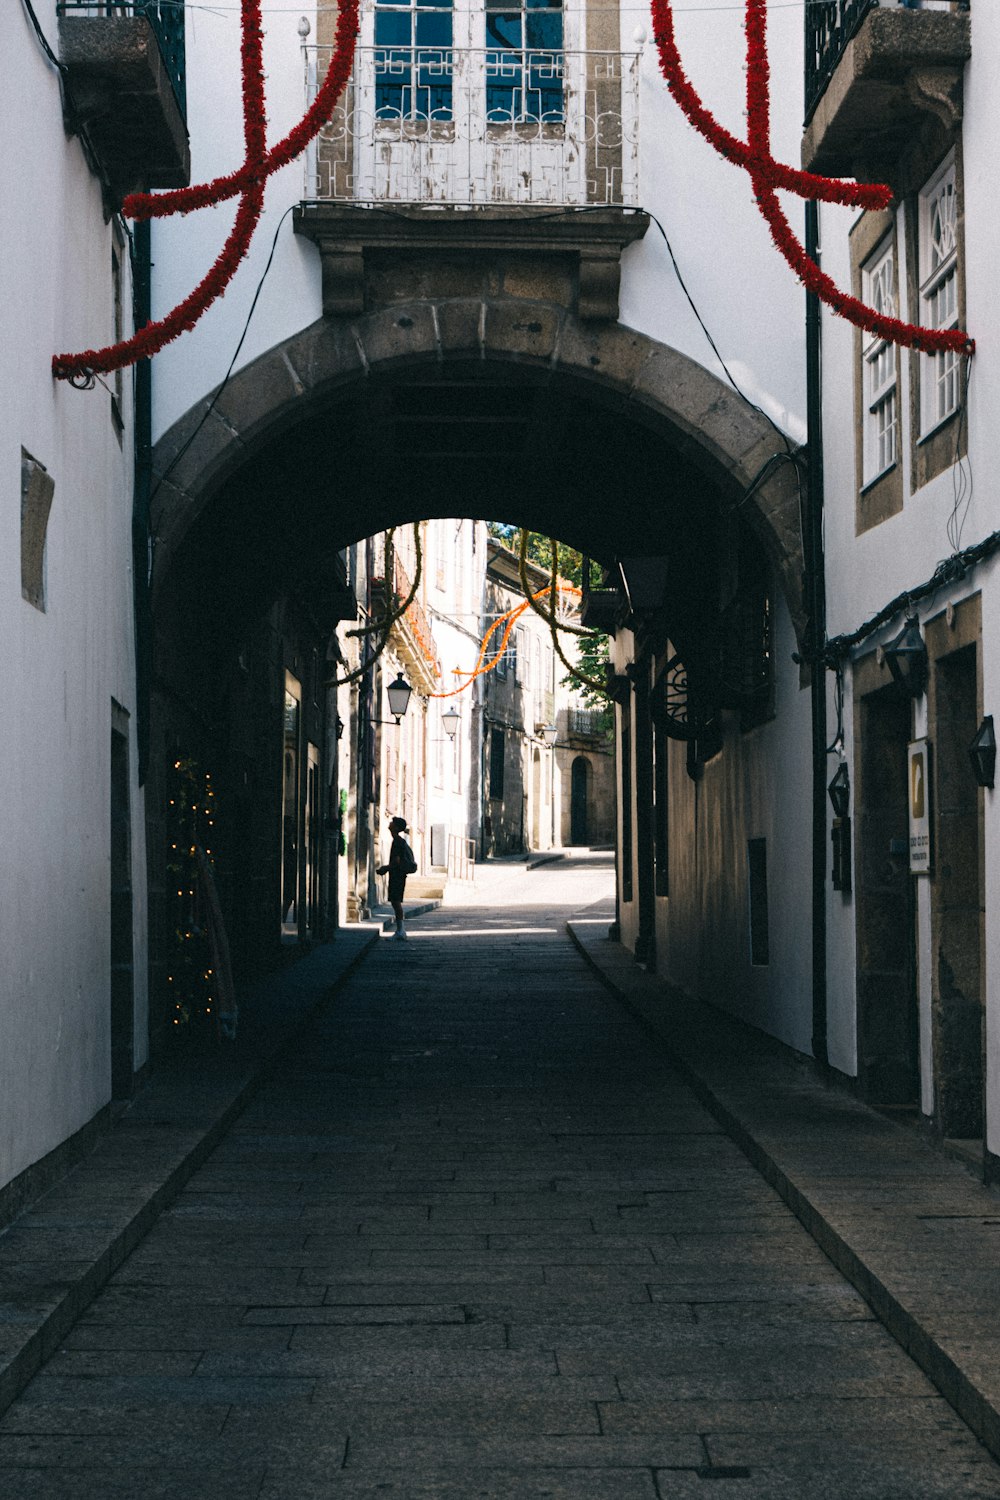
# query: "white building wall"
x,y
865,572
61,668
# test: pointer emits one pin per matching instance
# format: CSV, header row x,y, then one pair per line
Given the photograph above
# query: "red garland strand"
x,y
184,200
249,182
766,175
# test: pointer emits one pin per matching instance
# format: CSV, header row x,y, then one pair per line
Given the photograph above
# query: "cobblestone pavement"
x,y
477,1242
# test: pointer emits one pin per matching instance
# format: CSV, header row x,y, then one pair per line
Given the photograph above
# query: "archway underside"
x,y
510,409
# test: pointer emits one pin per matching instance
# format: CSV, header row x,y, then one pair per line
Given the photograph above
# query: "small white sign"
x,y
919,779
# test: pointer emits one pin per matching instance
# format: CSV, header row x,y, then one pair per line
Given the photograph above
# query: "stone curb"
x,y
387,923
56,1256
739,1067
545,859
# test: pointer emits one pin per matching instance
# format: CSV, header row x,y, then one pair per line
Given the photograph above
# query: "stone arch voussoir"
x,y
645,380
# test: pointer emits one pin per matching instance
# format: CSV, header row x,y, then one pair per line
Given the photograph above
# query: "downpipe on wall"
x,y
815,589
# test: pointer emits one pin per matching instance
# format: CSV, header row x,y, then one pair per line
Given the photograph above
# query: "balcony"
x,y
883,86
125,85
466,126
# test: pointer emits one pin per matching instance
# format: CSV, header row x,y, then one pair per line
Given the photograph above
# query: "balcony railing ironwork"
x,y
452,125
166,17
830,25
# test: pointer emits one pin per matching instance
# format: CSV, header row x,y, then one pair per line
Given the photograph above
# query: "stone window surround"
x,y
931,454
883,496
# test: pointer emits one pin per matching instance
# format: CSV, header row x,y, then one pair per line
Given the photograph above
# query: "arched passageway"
x,y
510,410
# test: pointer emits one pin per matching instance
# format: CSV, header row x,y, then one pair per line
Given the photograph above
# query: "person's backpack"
x,y
407,863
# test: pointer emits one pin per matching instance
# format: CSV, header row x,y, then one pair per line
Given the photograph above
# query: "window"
x,y
496,764
757,873
937,228
880,417
524,64
413,60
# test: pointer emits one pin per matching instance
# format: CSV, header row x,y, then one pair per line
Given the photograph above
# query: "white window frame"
x,y
879,369
454,158
937,270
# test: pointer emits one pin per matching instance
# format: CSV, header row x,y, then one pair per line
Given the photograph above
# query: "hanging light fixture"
x,y
549,734
840,790
906,658
983,753
450,722
398,693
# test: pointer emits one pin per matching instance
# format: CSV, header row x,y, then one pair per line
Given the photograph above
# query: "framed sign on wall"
x,y
919,782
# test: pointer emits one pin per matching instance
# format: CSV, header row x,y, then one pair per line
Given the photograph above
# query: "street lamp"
x,y
398,693
906,658
549,734
840,791
450,722
983,753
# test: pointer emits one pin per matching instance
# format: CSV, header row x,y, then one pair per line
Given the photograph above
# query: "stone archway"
x,y
624,371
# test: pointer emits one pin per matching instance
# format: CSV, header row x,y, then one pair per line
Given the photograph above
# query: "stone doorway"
x,y
888,1016
957,902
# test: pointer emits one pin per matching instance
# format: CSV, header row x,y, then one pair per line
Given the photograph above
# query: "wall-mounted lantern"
x,y
549,734
839,792
450,722
906,658
398,693
983,753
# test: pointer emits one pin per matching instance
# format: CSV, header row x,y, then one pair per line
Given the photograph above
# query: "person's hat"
x,y
398,823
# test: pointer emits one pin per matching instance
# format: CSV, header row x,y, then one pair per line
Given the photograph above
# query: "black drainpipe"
x,y
815,588
142,295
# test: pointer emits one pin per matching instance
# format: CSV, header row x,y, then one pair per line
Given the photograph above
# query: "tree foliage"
x,y
591,651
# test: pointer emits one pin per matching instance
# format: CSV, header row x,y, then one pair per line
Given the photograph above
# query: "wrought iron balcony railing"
x,y
830,25
452,125
166,17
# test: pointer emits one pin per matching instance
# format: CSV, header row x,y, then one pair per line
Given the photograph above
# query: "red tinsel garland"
x,y
766,175
249,182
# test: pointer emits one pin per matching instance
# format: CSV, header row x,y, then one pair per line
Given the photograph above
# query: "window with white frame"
x,y
879,369
937,229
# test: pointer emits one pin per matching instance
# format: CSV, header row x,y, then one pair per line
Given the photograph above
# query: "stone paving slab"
x,y
910,1228
56,1257
541,1338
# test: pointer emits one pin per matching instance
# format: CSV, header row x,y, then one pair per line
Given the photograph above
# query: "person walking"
x,y
401,863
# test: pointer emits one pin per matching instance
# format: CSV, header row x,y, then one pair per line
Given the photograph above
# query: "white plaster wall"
x,y
747,296
864,573
185,247
758,787
59,669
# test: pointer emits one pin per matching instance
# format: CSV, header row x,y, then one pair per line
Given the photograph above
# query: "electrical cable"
x,y
43,40
951,570
962,487
232,363
714,346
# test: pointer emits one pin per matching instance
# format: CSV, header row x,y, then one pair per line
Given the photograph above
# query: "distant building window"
x,y
524,63
940,373
757,882
497,742
413,61
880,418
